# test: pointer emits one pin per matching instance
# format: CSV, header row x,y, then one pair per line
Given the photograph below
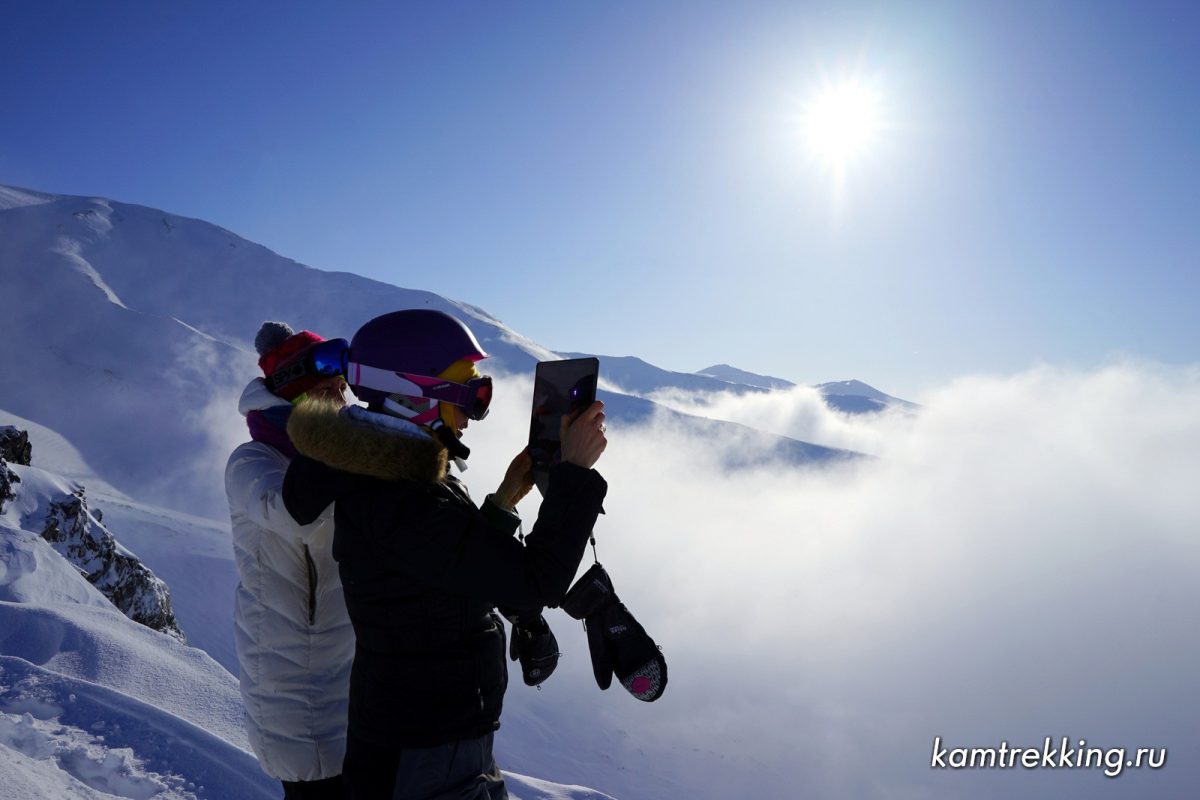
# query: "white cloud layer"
x,y
197,483
1020,561
799,413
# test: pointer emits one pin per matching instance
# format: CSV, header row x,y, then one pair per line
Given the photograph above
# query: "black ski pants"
x,y
328,789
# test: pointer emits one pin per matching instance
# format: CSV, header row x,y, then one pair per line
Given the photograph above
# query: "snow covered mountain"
x,y
634,376
734,375
130,329
856,397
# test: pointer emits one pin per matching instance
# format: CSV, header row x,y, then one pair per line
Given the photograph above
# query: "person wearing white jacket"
x,y
294,642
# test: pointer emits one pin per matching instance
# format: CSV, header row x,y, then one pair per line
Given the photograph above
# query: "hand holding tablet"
x,y
583,439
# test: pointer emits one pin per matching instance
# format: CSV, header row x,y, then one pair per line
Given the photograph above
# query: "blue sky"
x,y
628,178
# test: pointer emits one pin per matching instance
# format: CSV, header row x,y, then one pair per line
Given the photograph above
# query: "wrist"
x,y
504,498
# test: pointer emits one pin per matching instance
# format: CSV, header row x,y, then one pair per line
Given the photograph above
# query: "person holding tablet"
x,y
422,567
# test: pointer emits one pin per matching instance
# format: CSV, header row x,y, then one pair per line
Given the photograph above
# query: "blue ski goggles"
x,y
323,360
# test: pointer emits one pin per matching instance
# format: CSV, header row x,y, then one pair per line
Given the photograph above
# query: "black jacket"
x,y
422,569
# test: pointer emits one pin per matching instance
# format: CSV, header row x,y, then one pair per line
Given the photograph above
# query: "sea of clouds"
x,y
1019,559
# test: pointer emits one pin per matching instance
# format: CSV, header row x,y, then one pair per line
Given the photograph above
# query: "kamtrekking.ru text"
x,y
1051,755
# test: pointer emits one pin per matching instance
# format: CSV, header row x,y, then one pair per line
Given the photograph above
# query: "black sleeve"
x,y
309,487
442,544
507,522
501,519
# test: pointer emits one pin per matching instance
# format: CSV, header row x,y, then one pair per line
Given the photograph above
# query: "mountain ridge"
x,y
151,320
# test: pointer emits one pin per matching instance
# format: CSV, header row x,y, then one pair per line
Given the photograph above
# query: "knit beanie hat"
x,y
277,345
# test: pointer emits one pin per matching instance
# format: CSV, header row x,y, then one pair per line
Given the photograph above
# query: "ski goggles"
x,y
322,360
473,397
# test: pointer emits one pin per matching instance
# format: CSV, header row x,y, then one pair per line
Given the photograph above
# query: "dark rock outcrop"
x,y
129,584
7,479
15,446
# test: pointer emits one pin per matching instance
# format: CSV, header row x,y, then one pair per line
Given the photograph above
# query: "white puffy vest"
x,y
293,636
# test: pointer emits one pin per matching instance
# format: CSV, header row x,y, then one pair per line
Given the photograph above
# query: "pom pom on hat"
x,y
271,335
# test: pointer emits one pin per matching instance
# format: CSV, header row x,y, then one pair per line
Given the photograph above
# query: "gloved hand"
x,y
534,645
618,643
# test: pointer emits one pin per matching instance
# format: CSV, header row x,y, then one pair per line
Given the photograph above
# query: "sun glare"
x,y
841,123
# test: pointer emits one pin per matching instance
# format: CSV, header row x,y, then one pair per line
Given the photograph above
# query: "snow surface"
x,y
69,738
193,555
53,453
12,197
522,787
51,627
93,705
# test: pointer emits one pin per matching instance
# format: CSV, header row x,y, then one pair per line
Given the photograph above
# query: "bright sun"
x,y
841,123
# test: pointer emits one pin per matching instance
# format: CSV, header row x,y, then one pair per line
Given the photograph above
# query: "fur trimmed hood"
x,y
353,439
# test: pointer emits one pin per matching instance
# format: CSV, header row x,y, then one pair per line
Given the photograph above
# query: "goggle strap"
x,y
401,410
382,380
285,375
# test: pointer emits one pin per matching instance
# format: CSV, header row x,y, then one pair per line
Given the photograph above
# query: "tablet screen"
x,y
559,387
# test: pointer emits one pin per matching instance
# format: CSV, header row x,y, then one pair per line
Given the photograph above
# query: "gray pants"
x,y
463,770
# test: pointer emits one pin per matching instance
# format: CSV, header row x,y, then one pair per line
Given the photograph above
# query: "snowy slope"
x,y
192,554
62,737
93,705
195,558
55,454
131,329
128,325
91,701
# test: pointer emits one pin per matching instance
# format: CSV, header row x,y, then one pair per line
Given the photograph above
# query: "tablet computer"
x,y
559,387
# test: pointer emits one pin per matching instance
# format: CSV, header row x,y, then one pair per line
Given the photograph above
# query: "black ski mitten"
x,y
534,645
618,642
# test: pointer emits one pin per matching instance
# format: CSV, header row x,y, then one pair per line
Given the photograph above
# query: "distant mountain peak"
x,y
851,387
725,372
855,397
